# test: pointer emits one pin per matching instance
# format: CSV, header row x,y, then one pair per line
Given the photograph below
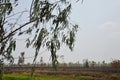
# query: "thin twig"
x,y
18,29
16,13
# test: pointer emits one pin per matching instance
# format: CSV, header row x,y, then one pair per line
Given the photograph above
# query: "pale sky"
x,y
98,37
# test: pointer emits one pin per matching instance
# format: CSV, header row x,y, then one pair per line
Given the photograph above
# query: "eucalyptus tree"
x,y
48,21
7,43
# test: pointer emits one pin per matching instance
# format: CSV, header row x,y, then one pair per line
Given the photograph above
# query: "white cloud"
x,y
111,29
110,25
115,35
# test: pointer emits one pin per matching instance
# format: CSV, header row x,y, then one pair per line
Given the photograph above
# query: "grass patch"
x,y
15,77
85,76
46,77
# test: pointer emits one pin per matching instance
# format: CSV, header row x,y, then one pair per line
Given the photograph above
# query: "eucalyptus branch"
x,y
4,3
31,7
18,29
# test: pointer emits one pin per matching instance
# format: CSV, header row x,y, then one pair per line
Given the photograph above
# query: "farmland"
x,y
75,68
23,74
72,76
64,72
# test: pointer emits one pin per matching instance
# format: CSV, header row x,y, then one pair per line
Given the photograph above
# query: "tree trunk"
x,y
1,69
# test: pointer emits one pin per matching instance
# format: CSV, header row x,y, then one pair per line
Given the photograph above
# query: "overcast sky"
x,y
98,37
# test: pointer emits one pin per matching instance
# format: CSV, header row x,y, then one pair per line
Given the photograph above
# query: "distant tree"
x,y
41,61
86,63
21,59
93,63
48,21
103,63
115,63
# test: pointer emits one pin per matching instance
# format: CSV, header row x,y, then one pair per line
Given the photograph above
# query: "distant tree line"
x,y
86,63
